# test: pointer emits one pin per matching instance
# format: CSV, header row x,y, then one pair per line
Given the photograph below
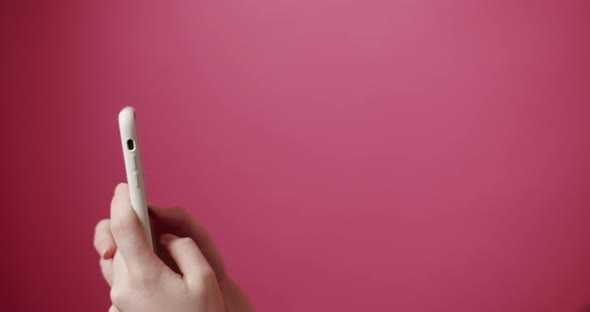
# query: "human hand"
x,y
141,281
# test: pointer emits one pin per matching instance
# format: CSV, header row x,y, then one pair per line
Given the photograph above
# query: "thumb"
x,y
189,258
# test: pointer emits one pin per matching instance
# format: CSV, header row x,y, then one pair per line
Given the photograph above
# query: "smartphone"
x,y
132,157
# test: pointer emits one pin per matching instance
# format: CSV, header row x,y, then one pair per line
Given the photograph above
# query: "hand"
x,y
141,281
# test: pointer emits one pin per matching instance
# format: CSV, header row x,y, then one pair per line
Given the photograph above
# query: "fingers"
x,y
106,267
234,298
103,239
120,272
178,222
113,309
106,247
189,258
128,234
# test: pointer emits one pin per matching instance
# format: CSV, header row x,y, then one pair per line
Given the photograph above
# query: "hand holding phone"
x,y
193,278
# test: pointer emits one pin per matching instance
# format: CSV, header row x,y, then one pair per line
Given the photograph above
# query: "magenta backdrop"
x,y
346,155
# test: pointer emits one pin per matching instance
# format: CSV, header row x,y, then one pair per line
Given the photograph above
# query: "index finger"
x,y
178,222
127,232
103,239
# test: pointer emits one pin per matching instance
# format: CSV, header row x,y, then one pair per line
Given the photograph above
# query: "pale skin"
x,y
188,276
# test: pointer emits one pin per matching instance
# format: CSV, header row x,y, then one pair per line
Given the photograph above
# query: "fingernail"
x,y
108,253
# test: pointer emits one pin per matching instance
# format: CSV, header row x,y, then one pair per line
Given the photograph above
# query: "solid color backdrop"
x,y
345,155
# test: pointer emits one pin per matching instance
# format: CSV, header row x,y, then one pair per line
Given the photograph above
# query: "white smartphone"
x,y
131,155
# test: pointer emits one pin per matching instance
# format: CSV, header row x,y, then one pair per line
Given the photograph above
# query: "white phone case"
x,y
131,154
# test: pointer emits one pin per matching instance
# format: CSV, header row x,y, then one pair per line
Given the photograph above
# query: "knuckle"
x,y
117,295
184,242
207,275
118,227
101,232
101,225
203,282
143,280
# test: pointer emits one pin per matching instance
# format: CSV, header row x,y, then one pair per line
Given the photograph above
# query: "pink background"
x,y
346,155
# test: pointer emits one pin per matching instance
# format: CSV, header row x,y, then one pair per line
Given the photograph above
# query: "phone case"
x,y
134,171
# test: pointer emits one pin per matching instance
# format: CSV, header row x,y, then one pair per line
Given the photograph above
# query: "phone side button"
x,y
134,163
135,180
